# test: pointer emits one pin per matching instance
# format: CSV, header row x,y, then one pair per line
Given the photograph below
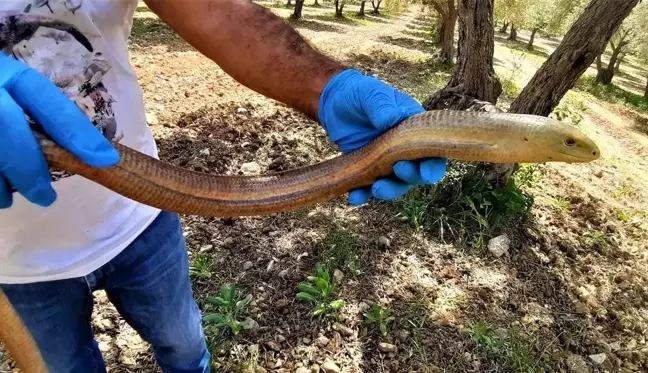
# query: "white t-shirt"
x,y
82,46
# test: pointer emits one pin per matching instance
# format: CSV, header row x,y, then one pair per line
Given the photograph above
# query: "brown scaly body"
x,y
460,135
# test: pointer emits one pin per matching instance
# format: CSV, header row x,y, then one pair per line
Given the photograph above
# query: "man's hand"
x,y
22,163
355,109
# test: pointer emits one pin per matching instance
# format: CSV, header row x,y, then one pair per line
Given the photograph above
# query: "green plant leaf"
x,y
244,302
337,304
216,318
235,326
228,293
306,297
321,283
306,288
218,301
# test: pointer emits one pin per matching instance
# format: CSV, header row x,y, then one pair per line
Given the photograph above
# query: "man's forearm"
x,y
254,46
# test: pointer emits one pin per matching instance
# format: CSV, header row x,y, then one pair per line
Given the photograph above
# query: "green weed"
x,y
380,317
569,111
623,216
231,309
507,350
561,203
624,191
201,267
415,208
340,250
595,240
509,85
318,291
612,93
466,207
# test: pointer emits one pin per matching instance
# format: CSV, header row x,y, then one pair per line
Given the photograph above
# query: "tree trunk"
x,y
604,75
448,24
513,35
583,42
297,13
504,28
646,91
533,34
618,63
339,6
376,6
289,3
361,13
473,78
316,3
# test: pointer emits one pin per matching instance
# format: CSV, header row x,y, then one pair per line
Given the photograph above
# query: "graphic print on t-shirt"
x,y
43,37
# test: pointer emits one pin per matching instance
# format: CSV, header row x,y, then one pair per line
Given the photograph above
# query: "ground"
x,y
572,286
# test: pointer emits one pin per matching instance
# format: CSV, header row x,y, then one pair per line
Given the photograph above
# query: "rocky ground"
x,y
565,291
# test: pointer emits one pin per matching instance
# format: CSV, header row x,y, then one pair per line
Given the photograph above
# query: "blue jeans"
x,y
149,285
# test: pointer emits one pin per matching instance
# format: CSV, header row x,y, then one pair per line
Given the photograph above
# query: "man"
x,y
65,65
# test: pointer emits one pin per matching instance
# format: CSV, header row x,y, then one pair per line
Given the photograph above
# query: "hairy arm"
x,y
254,46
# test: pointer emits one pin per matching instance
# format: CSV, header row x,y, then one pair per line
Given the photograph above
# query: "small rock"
x,y
499,245
338,276
598,173
280,338
205,152
615,346
576,364
250,168
253,349
330,367
384,241
306,341
250,324
107,324
206,248
282,303
152,119
247,265
344,330
303,370
104,346
276,364
584,293
322,341
386,347
402,335
273,346
229,243
598,359
241,110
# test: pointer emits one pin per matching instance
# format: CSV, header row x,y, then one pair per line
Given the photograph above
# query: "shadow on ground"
x,y
521,46
314,25
421,45
152,32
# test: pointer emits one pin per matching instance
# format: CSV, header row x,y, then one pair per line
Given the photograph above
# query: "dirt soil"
x,y
573,284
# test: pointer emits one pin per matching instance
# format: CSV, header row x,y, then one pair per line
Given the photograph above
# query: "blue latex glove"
x,y
355,109
22,163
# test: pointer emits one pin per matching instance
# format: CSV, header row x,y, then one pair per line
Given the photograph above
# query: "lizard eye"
x,y
570,142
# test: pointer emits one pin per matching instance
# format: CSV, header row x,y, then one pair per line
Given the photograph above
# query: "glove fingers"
x,y
61,119
433,169
409,172
359,196
389,189
6,197
21,161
